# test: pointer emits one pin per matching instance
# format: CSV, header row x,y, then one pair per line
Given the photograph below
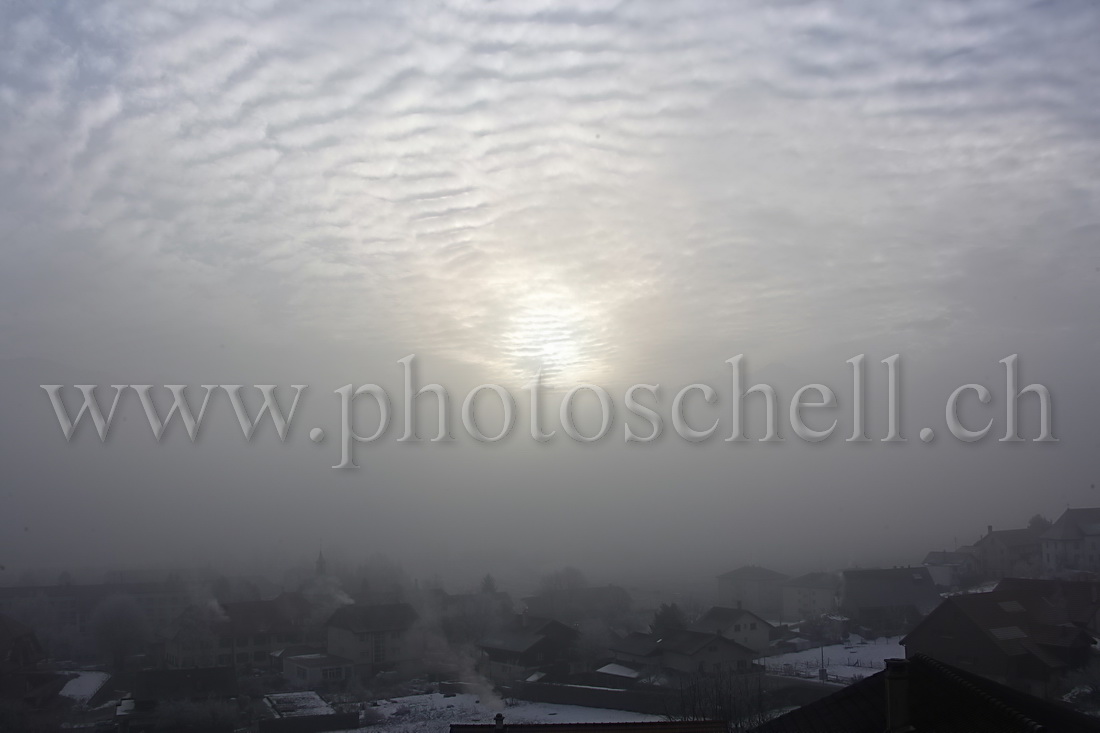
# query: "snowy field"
x,y
434,713
846,662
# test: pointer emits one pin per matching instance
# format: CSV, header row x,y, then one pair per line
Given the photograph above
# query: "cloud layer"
x,y
604,190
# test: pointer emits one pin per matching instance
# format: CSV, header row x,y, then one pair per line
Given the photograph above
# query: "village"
x,y
339,649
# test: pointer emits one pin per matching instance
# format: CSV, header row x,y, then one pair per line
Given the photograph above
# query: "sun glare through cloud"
x,y
553,334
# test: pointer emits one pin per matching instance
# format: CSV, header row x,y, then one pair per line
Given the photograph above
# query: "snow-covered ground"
x,y
434,713
856,658
81,688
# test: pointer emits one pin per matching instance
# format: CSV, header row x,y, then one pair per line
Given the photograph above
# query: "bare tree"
x,y
667,619
1038,524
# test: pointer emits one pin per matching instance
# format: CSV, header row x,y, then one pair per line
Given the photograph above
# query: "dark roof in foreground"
x,y
1056,601
660,726
942,699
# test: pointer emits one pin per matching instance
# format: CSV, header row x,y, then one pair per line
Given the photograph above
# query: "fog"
x,y
614,193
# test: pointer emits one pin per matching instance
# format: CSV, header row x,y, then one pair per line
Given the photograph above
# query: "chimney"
x,y
989,528
499,720
897,696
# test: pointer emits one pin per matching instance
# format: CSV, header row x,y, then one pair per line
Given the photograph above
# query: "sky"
x,y
613,193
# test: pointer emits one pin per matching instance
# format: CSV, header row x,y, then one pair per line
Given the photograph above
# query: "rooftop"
x,y
942,698
297,704
721,617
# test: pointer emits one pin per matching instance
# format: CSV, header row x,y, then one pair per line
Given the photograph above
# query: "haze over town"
x,y
592,193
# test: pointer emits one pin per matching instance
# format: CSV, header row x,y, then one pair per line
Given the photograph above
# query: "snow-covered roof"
x,y
85,685
618,670
297,704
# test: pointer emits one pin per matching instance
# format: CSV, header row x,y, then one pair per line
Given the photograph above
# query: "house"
x,y
753,587
528,646
697,652
375,638
687,651
242,634
1009,552
953,569
887,600
636,650
809,596
1072,543
1005,637
316,669
467,617
923,695
1058,601
736,624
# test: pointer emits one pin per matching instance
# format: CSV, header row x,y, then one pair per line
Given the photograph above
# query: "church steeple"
x,y
321,566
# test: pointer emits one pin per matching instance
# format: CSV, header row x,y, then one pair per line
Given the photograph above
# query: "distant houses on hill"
x,y
753,587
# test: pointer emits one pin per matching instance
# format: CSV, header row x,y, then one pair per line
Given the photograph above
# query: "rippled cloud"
x,y
571,186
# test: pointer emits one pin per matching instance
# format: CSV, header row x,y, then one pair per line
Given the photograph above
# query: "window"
x,y
332,673
259,656
379,649
752,626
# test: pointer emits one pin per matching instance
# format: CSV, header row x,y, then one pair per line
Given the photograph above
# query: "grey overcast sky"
x,y
616,192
